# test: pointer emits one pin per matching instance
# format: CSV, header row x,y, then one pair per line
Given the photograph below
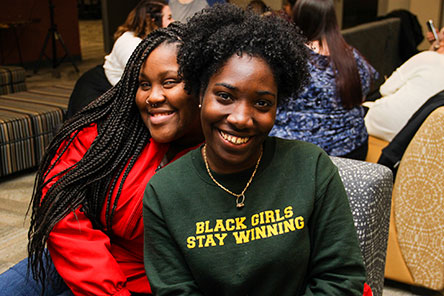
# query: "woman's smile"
x,y
160,116
233,139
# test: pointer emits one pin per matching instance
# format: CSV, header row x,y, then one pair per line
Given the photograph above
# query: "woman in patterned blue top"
x,y
328,111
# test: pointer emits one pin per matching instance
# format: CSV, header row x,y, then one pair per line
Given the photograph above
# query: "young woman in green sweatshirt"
x,y
247,214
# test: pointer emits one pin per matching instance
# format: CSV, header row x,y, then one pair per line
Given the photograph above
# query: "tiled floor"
x,y
16,191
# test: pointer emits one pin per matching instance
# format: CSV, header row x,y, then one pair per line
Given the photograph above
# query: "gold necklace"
x,y
240,198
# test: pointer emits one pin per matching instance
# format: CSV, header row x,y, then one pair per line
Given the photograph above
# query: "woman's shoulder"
x,y
318,59
426,56
126,40
177,169
74,147
356,53
297,150
360,59
305,159
83,137
128,35
364,67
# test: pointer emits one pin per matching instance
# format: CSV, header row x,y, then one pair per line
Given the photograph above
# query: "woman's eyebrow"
x,y
266,92
229,86
259,92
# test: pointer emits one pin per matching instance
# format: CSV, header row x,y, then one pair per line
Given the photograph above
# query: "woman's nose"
x,y
241,116
156,96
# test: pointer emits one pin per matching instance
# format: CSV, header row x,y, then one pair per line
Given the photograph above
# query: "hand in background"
x,y
430,37
435,44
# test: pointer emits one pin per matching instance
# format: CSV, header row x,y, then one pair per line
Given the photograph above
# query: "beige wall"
x,y
339,8
423,9
274,4
442,15
398,4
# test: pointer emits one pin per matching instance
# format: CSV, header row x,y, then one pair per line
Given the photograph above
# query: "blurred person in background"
x,y
328,112
406,90
147,16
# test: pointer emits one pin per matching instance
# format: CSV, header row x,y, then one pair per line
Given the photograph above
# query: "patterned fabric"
x,y
27,122
316,115
369,189
12,79
418,199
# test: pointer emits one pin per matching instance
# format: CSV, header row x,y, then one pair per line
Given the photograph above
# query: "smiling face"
x,y
238,112
167,110
167,18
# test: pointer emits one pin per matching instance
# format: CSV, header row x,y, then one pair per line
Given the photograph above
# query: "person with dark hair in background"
x,y
87,201
288,7
328,111
259,7
248,214
147,16
286,11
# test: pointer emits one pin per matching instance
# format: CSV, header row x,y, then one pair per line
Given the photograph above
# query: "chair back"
x,y
369,189
418,200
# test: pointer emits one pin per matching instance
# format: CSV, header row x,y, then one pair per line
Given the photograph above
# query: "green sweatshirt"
x,y
295,235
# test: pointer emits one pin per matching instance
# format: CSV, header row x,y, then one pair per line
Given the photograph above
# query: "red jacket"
x,y
91,262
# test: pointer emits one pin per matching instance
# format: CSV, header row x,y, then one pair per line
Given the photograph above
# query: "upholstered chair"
x,y
415,254
369,189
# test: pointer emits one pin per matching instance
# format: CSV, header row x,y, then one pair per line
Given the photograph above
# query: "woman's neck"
x,y
220,166
319,47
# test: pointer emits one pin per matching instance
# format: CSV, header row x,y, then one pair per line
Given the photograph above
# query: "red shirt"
x,y
89,261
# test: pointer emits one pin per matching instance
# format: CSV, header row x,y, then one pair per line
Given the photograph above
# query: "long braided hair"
x,y
89,183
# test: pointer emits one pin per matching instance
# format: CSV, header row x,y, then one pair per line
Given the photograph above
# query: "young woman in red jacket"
x,y
87,202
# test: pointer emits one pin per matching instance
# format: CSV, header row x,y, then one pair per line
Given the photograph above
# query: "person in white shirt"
x,y
405,91
184,9
147,16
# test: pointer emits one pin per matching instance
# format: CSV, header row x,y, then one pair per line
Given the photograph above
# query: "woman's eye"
x,y
264,104
224,96
170,83
144,85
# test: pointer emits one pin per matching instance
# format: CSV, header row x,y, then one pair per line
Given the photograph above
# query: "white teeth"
x,y
233,139
161,114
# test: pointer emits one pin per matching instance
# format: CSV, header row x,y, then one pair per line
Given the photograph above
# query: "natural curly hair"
x,y
89,183
215,34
